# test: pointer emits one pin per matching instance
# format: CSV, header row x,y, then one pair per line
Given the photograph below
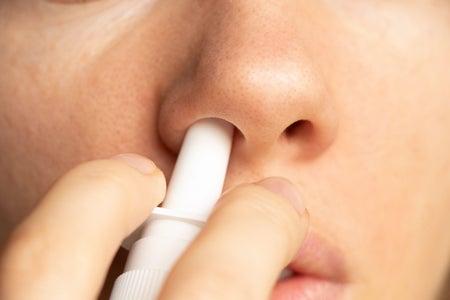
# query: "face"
x,y
349,99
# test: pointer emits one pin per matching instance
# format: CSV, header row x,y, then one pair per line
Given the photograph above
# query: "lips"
x,y
318,273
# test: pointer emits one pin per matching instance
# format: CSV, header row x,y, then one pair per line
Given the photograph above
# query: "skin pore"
x,y
347,99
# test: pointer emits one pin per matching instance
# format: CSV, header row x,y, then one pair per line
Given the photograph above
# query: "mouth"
x,y
317,272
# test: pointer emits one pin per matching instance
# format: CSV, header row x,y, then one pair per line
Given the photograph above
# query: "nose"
x,y
253,70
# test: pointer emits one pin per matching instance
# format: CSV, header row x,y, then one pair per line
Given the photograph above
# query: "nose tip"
x,y
268,102
271,100
261,81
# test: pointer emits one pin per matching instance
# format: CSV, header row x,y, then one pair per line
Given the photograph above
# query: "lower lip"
x,y
308,288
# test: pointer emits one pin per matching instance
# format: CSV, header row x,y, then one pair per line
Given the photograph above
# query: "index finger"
x,y
250,237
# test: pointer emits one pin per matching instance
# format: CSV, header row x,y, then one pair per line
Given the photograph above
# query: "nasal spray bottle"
x,y
195,186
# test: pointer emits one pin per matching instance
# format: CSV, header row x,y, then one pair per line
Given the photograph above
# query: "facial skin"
x,y
348,99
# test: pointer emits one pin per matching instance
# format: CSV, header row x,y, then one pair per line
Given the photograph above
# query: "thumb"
x,y
64,248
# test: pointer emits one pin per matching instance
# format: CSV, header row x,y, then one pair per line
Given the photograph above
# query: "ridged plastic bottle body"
x,y
153,257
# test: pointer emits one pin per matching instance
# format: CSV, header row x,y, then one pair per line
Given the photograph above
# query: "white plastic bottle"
x,y
196,184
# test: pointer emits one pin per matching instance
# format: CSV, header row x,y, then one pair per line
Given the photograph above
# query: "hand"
x,y
63,250
253,233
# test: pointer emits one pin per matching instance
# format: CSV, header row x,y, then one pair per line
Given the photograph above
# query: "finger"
x,y
63,249
251,236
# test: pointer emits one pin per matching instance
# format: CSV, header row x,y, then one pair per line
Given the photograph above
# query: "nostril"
x,y
302,129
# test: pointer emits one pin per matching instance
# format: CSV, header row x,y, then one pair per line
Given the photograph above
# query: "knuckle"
x,y
25,252
216,284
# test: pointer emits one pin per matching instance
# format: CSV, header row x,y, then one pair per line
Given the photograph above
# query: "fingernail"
x,y
285,189
140,163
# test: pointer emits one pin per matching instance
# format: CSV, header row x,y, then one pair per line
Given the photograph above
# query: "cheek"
x,y
55,116
71,92
385,179
388,202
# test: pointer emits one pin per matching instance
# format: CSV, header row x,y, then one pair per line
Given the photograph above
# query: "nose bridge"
x,y
253,71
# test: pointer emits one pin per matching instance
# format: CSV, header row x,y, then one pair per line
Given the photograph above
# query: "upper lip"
x,y
318,258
